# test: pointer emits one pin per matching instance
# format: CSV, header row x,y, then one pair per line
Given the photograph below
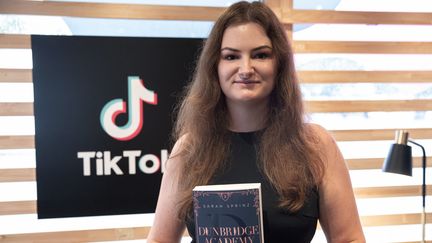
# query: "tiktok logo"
x,y
137,94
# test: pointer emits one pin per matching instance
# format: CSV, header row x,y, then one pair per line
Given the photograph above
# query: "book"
x,y
228,213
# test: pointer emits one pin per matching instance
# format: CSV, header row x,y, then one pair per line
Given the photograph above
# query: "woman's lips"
x,y
246,82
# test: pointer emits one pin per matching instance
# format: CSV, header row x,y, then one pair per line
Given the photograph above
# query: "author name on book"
x,y
228,205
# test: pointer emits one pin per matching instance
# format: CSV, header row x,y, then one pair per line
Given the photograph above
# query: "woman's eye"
x,y
261,56
229,57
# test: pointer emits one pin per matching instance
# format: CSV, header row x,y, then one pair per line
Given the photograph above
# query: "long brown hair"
x,y
287,155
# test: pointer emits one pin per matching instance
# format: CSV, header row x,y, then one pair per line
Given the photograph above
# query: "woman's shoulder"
x,y
323,140
319,132
180,144
175,161
327,147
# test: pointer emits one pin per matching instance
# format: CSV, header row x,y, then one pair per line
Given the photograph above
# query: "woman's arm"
x,y
339,217
167,228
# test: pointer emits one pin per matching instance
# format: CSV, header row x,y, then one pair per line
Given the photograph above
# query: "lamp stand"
x,y
423,218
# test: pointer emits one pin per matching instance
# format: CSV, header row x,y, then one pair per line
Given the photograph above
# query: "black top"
x,y
279,225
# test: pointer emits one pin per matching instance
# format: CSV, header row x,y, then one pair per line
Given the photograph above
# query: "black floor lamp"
x,y
399,160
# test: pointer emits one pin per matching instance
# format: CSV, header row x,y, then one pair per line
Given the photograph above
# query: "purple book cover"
x,y
228,213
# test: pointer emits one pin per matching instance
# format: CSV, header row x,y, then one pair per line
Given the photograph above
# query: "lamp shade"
x,y
399,160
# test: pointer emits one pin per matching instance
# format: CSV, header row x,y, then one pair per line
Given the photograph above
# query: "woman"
x,y
242,121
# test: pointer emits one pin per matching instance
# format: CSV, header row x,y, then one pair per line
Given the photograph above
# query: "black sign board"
x,y
103,115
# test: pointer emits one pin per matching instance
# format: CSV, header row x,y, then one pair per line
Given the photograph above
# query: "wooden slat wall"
x,y
355,17
365,47
322,77
140,233
109,10
14,41
376,163
307,77
16,109
27,141
15,75
80,236
26,109
284,10
133,11
16,142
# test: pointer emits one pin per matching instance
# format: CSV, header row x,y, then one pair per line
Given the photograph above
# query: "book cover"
x,y
228,213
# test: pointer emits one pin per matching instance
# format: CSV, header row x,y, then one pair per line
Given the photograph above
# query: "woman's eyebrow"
x,y
254,49
229,49
262,47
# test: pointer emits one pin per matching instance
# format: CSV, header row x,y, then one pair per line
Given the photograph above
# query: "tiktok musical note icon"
x,y
137,95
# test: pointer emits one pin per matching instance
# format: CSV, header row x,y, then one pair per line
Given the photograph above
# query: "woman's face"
x,y
246,67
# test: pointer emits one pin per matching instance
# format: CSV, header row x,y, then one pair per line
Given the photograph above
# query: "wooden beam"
x,y
377,163
26,109
29,207
427,241
279,6
27,141
288,5
383,47
379,134
142,232
17,175
14,41
110,10
276,6
29,174
391,191
79,235
15,75
356,17
17,207
306,77
16,109
394,219
315,77
160,12
368,105
363,47
17,142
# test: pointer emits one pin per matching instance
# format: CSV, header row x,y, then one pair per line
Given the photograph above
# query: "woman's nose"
x,y
246,69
